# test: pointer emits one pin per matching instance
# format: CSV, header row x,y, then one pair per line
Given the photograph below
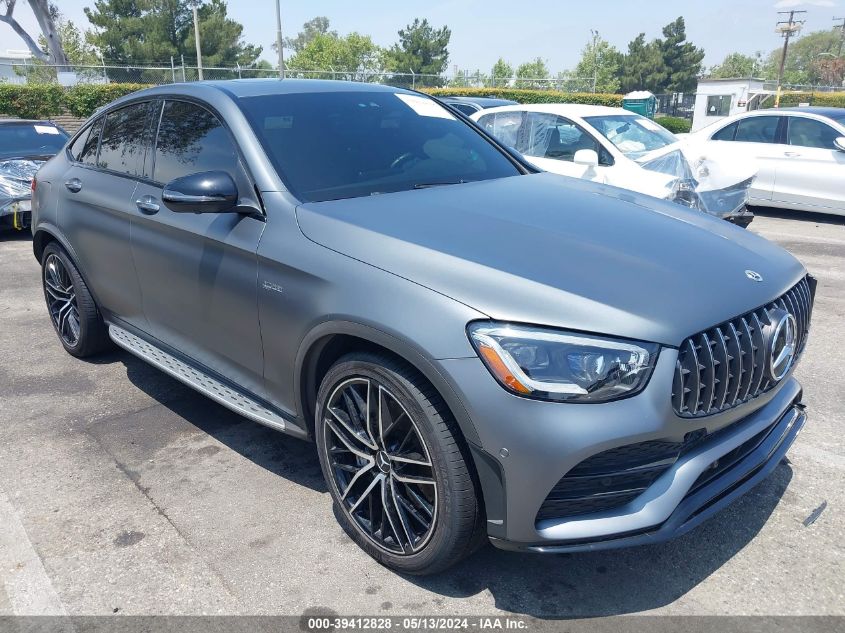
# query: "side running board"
x,y
201,381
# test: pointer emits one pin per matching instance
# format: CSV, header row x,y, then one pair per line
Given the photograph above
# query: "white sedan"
x,y
620,148
799,152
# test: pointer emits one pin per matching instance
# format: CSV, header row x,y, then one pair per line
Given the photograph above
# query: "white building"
x,y
8,61
717,98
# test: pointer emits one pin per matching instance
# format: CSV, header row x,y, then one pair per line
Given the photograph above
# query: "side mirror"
x,y
205,192
587,157
840,143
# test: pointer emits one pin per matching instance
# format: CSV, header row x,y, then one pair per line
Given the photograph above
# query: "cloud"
x,y
790,4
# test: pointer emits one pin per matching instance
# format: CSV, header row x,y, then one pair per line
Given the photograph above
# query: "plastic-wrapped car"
x,y
24,146
620,148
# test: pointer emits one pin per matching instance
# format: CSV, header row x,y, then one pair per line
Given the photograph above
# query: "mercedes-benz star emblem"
x,y
383,462
753,275
781,339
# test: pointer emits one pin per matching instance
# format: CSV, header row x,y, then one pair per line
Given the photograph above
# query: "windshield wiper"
x,y
426,185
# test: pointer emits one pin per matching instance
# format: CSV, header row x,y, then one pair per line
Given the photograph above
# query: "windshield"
x,y
632,134
22,140
328,146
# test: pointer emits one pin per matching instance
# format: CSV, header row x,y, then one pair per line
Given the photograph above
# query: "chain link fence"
x,y
23,72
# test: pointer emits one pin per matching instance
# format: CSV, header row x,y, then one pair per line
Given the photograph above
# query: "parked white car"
x,y
621,148
800,155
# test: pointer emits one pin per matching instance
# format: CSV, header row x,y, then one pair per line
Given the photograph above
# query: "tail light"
x,y
33,185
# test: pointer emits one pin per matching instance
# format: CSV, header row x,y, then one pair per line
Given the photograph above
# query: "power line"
x,y
787,28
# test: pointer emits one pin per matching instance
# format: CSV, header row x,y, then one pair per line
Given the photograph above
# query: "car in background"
x,y
618,147
800,155
471,105
24,146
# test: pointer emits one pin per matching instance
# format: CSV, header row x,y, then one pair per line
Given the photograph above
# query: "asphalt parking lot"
x,y
121,491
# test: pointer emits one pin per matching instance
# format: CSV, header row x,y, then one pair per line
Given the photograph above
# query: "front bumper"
x,y
528,446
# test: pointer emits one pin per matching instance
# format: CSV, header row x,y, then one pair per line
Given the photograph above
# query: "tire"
x,y
353,463
72,309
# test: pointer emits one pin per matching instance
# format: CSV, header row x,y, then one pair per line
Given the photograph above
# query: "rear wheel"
x,y
72,309
391,455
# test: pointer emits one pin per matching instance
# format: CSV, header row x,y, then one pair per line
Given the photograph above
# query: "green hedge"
x,y
530,96
43,101
675,124
829,99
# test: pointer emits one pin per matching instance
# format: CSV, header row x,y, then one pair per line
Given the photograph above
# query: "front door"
x,y
198,272
813,170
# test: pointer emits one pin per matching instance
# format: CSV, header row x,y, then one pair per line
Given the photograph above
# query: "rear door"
x,y
97,206
199,272
813,171
758,139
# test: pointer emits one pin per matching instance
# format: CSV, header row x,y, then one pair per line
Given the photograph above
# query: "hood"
x,y
561,252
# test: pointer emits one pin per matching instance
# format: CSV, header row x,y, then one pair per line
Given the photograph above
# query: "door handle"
x,y
148,205
74,185
792,154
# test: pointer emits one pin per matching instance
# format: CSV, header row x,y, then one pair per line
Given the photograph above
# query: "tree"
x,y
421,49
738,65
682,59
501,73
310,30
642,68
354,54
830,71
46,15
222,38
134,33
532,74
802,60
599,65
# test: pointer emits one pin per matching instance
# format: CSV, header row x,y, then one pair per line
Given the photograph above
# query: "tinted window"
x,y
123,140
88,153
21,140
465,108
757,129
331,145
725,134
191,140
810,133
78,145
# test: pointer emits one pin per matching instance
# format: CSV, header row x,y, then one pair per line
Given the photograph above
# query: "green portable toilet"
x,y
642,102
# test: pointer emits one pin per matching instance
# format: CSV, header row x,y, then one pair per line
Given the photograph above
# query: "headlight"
x,y
554,365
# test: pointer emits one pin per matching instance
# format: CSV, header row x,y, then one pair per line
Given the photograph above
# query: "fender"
x,y
313,342
56,234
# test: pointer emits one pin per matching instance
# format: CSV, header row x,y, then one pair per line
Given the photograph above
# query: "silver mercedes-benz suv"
x,y
477,350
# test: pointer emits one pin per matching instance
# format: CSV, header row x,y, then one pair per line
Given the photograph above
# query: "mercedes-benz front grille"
x,y
724,366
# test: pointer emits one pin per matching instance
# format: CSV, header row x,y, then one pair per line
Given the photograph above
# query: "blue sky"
x,y
482,30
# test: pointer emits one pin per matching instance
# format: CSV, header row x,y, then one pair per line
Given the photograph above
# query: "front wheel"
x,y
392,457
72,309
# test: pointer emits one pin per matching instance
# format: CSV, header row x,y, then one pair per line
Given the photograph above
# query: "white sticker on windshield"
x,y
46,129
649,124
425,107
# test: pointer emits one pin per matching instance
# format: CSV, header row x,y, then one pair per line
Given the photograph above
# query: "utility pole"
x,y
197,41
279,44
841,28
787,28
595,35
